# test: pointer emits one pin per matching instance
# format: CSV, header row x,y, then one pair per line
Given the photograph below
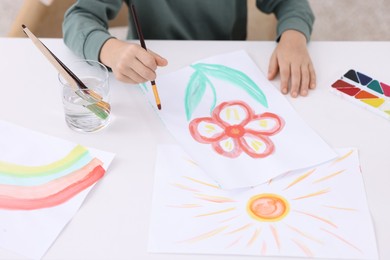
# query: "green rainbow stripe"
x,y
24,171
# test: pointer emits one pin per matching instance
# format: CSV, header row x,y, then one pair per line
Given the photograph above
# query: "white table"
x,y
113,221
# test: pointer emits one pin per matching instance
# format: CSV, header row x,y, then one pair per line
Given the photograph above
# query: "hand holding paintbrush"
x,y
142,41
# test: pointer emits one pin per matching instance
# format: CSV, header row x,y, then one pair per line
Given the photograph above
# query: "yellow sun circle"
x,y
268,207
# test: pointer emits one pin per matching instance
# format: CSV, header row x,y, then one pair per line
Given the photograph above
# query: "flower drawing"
x,y
234,128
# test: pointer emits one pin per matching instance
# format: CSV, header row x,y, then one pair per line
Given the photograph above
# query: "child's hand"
x,y
129,62
292,60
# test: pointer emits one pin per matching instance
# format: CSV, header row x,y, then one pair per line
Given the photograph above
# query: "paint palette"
x,y
364,90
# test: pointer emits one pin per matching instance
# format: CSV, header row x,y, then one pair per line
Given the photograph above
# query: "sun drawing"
x,y
290,212
267,207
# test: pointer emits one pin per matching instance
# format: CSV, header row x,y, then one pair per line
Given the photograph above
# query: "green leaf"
x,y
235,77
195,90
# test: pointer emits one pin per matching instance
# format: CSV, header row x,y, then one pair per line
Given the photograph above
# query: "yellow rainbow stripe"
x,y
16,170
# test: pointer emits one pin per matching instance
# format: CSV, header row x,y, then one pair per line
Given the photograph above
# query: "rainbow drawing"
x,y
364,90
24,187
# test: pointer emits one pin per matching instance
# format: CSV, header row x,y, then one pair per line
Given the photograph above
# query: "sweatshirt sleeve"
x,y
291,15
85,26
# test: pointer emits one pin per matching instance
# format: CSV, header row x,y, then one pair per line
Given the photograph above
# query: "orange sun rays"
x,y
244,219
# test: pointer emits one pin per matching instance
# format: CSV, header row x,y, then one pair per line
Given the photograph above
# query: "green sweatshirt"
x,y
86,22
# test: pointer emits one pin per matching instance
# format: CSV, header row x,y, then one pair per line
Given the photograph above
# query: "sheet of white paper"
x,y
318,212
31,232
219,111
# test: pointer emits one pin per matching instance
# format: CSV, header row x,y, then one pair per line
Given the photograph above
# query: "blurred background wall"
x,y
349,20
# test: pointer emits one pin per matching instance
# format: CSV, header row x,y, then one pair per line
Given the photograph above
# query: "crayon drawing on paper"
x,y
305,213
223,110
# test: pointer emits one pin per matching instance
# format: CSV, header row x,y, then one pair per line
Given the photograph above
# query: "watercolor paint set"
x,y
364,90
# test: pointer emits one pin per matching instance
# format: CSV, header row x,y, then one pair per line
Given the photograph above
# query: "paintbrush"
x,y
142,41
99,107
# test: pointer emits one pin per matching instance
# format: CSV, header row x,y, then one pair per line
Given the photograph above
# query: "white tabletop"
x,y
113,221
